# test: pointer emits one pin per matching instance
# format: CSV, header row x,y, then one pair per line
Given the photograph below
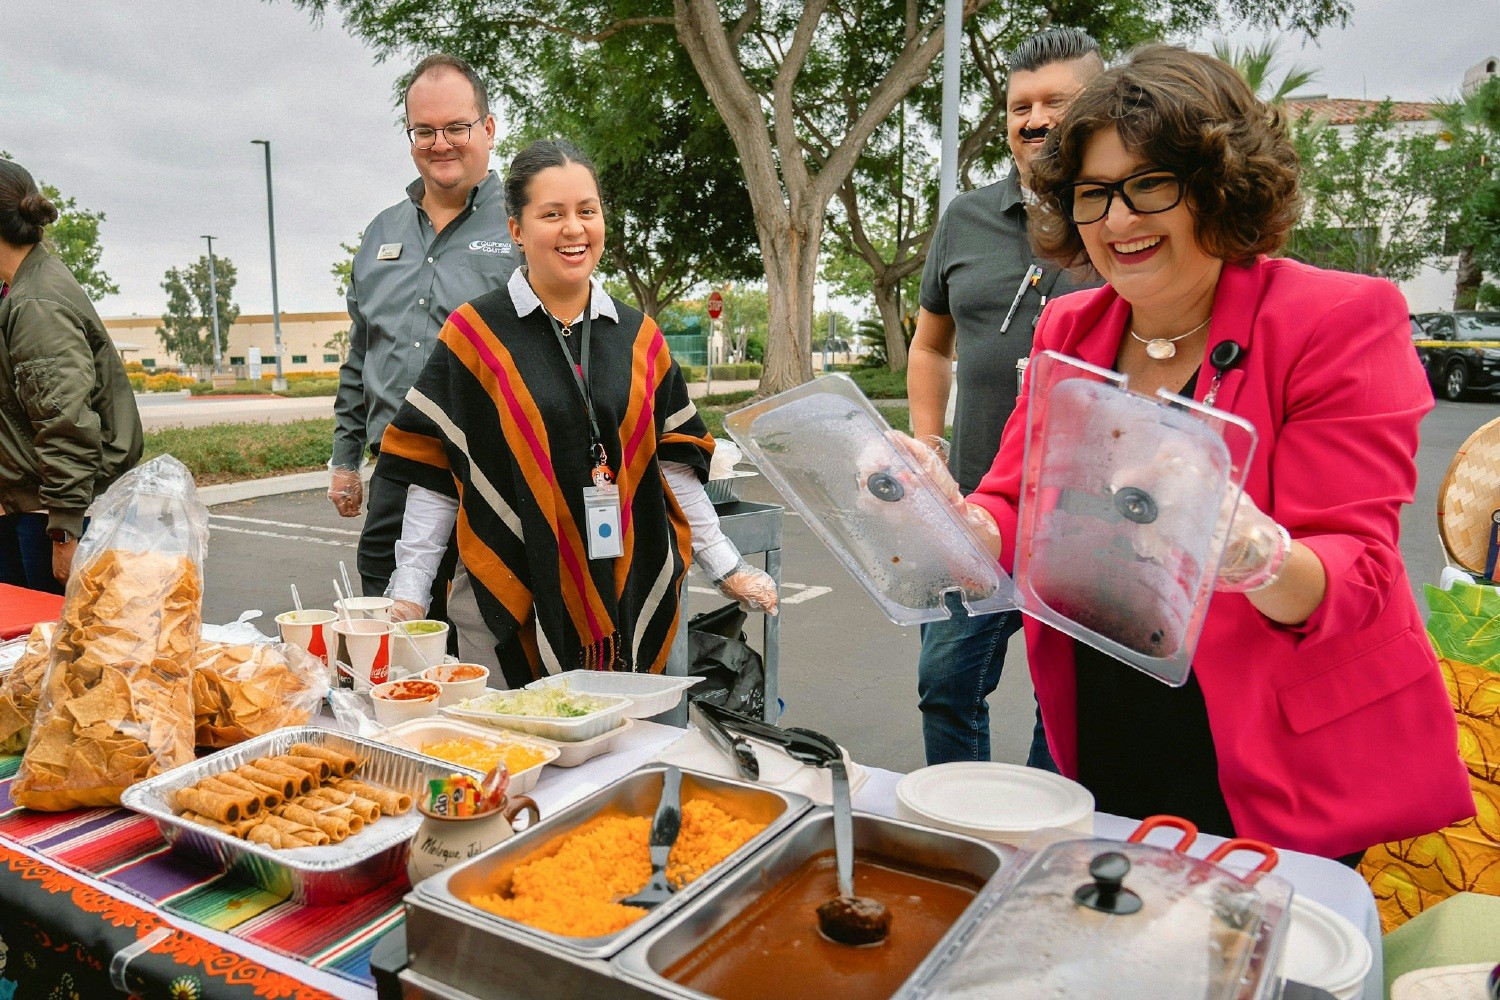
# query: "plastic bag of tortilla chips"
x,y
116,704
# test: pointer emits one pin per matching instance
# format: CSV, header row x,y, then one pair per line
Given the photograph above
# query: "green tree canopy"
x,y
800,86
1376,196
74,238
187,326
1472,129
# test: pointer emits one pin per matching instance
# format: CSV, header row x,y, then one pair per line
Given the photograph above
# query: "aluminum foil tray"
x,y
315,876
441,923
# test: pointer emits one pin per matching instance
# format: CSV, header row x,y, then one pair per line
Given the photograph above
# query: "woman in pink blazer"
x,y
1315,718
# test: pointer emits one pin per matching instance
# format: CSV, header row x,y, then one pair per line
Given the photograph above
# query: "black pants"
x,y
377,547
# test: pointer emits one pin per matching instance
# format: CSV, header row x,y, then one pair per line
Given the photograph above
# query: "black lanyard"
x,y
581,374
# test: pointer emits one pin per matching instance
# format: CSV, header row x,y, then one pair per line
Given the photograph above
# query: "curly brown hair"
x,y
1193,115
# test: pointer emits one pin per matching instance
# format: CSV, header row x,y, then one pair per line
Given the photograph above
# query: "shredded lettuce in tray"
x,y
555,702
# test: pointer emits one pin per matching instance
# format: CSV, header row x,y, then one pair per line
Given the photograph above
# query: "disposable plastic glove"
x,y
346,491
407,611
1256,548
935,469
753,588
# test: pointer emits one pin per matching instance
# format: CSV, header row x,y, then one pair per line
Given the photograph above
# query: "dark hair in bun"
x,y
24,211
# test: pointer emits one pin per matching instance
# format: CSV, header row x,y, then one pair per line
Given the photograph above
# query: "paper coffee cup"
x,y
368,642
366,607
310,629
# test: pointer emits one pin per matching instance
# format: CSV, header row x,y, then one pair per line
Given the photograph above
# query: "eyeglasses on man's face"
x,y
457,134
1145,193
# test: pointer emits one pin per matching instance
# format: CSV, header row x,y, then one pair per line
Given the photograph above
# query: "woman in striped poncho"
x,y
553,430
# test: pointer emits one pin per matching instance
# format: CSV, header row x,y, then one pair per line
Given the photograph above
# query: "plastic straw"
x,y
344,574
296,600
343,603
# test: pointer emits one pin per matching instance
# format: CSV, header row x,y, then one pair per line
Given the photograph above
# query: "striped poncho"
x,y
497,422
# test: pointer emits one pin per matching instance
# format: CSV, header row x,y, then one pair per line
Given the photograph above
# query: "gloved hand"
x,y
347,491
932,465
753,588
407,611
1256,548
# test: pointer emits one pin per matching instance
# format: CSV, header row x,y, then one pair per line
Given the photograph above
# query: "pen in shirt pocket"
x,y
1032,277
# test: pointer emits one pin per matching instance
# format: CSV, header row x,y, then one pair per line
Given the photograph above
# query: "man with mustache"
x,y
982,291
445,243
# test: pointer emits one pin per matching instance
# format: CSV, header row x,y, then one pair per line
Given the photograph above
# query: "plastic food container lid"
x,y
994,801
1324,949
1117,541
829,453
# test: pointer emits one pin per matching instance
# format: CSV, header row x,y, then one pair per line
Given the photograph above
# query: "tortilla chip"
x,y
116,701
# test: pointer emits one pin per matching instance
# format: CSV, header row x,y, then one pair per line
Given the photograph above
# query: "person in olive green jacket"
x,y
69,426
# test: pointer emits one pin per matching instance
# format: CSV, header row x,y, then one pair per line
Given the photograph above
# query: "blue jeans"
x,y
26,552
958,670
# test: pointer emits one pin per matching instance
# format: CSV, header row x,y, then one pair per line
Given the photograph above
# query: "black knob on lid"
x,y
1107,893
884,486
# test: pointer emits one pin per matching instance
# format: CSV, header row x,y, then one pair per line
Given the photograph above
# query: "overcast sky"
x,y
145,110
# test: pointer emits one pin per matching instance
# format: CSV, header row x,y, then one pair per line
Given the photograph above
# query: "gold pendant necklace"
x,y
1165,348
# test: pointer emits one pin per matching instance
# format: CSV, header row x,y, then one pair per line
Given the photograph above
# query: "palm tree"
x,y
1254,62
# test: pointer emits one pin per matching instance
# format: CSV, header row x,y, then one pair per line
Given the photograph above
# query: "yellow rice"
x,y
574,891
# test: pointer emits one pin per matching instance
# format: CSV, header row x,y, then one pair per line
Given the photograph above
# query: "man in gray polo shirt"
x,y
447,242
982,292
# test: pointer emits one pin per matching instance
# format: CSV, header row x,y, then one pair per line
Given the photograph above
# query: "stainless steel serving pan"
x,y
315,876
643,962
441,924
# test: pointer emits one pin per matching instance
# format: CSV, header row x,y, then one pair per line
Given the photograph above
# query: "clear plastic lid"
x,y
1102,919
1120,504
829,452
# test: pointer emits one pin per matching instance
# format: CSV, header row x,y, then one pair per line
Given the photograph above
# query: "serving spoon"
x,y
847,918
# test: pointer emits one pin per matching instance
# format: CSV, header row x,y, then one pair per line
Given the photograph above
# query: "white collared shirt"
x,y
524,298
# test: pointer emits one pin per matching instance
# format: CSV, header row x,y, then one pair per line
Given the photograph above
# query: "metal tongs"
x,y
732,745
802,745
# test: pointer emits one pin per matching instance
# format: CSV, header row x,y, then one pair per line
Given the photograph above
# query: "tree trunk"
x,y
1470,276
790,249
890,318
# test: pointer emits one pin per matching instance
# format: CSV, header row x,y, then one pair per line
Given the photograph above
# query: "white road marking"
x,y
283,524
290,538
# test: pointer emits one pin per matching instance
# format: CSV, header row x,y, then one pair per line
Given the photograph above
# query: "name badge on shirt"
x,y
601,506
389,251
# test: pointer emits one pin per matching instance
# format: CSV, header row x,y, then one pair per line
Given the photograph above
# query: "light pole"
x,y
279,382
213,298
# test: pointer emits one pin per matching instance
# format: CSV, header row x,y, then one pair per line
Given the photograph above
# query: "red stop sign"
x,y
715,305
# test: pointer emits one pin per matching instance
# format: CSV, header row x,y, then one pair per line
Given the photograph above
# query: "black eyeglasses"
x,y
1145,193
457,134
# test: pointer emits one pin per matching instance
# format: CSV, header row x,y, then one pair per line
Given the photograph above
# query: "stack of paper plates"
x,y
1323,949
995,802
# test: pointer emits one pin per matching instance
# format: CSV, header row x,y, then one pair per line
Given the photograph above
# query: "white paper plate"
x,y
993,801
1324,949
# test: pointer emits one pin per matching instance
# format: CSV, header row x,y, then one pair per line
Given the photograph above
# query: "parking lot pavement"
x,y
845,669
160,410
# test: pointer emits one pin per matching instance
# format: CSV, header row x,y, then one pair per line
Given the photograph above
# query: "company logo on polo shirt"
x,y
489,246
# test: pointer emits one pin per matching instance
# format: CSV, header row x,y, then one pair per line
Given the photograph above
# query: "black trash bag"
x,y
734,675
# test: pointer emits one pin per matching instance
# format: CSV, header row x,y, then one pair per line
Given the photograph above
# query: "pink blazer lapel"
x,y
1235,303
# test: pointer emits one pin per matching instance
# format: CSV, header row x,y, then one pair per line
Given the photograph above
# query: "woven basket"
x,y
1468,498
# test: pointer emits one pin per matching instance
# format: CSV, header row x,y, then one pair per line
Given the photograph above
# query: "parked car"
x,y
1460,350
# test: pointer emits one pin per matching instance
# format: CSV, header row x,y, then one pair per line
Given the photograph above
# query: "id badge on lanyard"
x,y
601,508
601,501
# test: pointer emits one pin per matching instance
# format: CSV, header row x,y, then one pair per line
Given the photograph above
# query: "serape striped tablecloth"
x,y
126,850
